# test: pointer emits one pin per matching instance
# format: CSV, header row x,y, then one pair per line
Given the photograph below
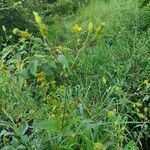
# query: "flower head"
x,y
77,27
38,19
90,27
23,34
145,82
100,28
43,30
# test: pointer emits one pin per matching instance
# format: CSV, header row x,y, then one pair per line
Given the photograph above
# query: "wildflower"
x,y
146,82
23,34
37,18
77,27
41,78
42,27
43,30
90,27
104,80
100,28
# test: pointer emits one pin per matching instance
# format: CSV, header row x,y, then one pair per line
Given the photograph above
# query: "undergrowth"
x,y
82,84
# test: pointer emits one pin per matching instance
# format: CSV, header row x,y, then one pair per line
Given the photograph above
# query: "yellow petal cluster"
x,y
42,27
23,34
38,19
77,27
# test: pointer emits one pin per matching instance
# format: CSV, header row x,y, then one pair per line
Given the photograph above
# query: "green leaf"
x,y
33,67
62,59
48,125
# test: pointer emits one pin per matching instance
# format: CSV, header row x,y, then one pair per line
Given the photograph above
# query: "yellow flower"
x,y
104,80
37,18
100,28
23,34
42,27
77,27
41,78
40,75
43,30
146,82
90,27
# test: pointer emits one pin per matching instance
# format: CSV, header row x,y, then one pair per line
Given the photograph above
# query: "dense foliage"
x,y
74,76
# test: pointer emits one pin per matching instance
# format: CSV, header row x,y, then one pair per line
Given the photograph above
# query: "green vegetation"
x,y
74,75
